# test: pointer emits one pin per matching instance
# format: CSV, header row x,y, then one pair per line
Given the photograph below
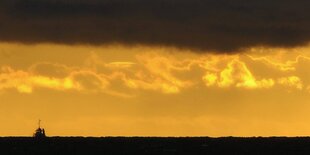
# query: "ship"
x,y
39,132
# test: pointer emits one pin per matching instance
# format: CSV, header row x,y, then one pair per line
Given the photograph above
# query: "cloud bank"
x,y
218,25
161,73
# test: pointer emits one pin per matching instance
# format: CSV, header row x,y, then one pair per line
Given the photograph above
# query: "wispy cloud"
x,y
152,71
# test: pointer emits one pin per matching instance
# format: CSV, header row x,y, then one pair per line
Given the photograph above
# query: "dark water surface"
x,y
154,146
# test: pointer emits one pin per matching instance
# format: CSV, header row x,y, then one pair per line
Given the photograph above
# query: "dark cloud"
x,y
221,25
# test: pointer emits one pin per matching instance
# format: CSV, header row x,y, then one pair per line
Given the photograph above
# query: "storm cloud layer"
x,y
219,25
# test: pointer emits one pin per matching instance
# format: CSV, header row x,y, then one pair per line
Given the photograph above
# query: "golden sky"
x,y
144,90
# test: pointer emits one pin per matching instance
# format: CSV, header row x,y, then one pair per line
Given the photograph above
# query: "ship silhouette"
x,y
39,132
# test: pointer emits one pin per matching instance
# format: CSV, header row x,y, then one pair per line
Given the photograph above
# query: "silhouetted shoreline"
x,y
155,145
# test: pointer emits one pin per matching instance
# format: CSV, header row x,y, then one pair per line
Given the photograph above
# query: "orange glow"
x,y
153,91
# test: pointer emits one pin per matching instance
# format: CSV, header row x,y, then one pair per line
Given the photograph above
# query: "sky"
x,y
155,67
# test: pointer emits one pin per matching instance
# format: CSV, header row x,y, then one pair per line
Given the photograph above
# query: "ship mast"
x,y
39,123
